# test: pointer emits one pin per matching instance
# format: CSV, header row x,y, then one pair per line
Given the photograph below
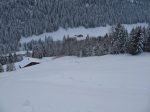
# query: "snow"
x,y
19,53
98,31
111,83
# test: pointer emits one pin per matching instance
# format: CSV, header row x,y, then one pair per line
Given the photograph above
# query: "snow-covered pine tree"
x,y
136,41
37,51
15,59
10,67
147,40
3,60
10,58
119,38
1,68
28,54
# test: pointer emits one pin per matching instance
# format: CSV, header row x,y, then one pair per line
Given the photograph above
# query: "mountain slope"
x,y
109,83
33,17
75,32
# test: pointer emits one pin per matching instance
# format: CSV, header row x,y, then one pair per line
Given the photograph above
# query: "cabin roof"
x,y
27,61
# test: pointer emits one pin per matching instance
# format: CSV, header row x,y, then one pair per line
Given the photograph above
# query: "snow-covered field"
x,y
72,32
119,83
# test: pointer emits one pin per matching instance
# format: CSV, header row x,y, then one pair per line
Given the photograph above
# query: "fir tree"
x,y
147,40
10,67
15,59
119,39
136,41
10,58
37,51
1,68
28,54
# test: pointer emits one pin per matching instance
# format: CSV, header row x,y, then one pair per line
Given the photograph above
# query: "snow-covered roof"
x,y
26,61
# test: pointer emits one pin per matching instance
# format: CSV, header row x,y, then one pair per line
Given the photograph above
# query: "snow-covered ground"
x,y
111,83
72,32
19,53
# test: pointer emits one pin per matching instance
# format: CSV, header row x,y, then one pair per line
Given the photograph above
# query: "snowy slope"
x,y
119,83
98,31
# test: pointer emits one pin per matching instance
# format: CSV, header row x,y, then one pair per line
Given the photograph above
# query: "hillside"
x,y
111,83
33,17
74,32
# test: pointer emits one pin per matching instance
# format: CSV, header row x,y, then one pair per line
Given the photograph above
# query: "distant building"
x,y
26,62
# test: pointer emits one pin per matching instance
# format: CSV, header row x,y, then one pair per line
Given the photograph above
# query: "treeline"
x,y
10,58
33,17
118,41
9,61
